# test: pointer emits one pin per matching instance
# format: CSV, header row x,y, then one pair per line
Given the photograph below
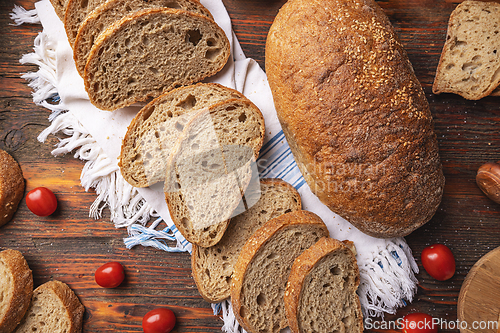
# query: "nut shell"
x,y
488,180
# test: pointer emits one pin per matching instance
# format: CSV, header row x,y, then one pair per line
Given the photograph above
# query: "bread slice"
x,y
54,308
470,60
16,289
263,266
11,186
320,295
213,266
59,7
150,52
114,10
75,14
210,167
156,128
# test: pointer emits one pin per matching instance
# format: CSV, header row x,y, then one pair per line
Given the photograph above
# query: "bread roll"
x,y
354,114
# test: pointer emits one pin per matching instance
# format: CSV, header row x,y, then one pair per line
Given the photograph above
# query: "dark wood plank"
x,y
69,245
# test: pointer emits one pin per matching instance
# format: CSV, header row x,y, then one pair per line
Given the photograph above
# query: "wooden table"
x,y
69,245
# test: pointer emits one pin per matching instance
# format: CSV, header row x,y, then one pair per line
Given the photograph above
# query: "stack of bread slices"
x,y
129,51
251,239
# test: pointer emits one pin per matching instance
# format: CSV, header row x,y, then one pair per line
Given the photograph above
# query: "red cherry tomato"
x,y
438,261
41,201
159,320
419,323
110,275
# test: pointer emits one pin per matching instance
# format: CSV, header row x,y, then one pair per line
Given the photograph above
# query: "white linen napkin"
x,y
387,266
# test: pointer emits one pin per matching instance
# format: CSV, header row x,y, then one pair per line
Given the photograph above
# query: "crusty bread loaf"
x,y
470,61
75,13
210,167
59,7
213,266
11,186
150,52
156,128
54,309
113,10
354,114
263,266
320,295
16,289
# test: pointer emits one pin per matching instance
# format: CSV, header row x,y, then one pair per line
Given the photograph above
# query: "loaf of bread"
x,y
354,114
263,266
16,289
470,63
150,52
54,309
11,186
210,168
155,129
113,10
213,266
320,295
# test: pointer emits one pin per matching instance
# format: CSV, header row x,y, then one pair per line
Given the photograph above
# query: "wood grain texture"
x,y
69,245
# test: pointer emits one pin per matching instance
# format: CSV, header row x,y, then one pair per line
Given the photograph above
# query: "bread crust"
x,y
252,246
204,292
22,289
302,266
123,24
11,186
354,114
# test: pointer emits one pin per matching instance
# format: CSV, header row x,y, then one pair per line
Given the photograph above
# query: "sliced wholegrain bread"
x,y
470,60
213,266
113,10
156,128
11,186
263,266
16,289
59,7
210,168
54,308
150,52
320,295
